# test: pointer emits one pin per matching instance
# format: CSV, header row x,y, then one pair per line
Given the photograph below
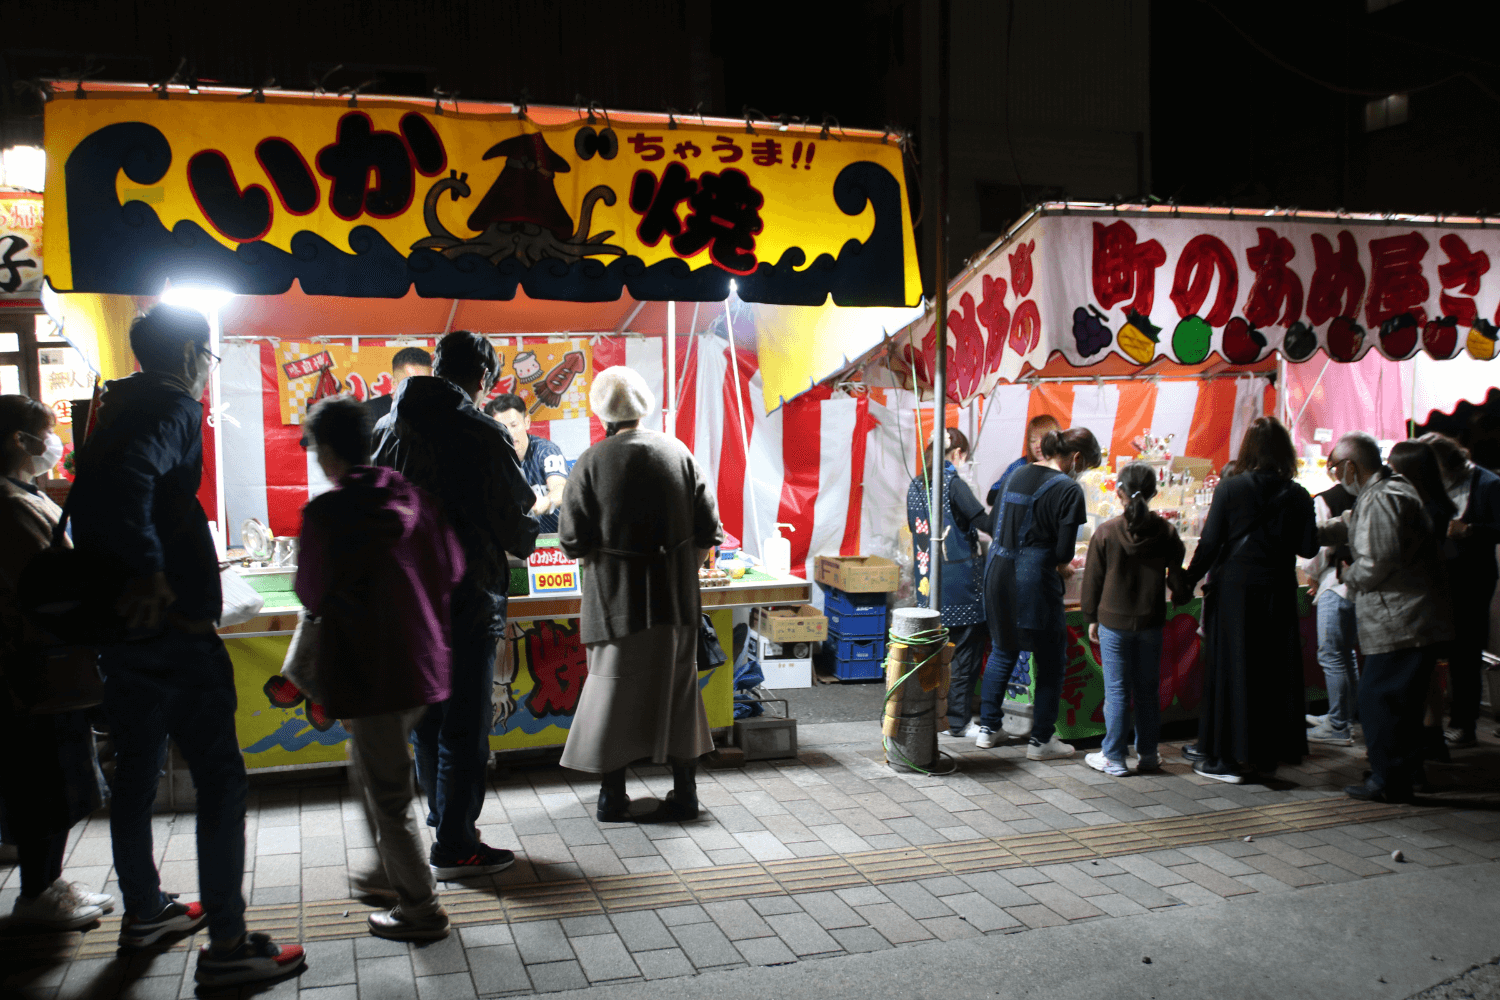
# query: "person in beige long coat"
x,y
639,513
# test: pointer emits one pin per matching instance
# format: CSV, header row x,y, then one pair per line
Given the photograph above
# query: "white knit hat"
x,y
620,394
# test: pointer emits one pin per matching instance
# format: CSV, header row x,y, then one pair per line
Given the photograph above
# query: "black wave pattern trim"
x,y
126,249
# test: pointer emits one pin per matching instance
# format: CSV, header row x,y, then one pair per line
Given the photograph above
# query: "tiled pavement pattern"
x,y
829,854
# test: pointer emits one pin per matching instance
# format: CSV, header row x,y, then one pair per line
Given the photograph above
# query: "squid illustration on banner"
x,y
553,379
375,199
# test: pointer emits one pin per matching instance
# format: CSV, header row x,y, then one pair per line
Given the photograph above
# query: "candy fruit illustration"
x,y
1398,336
1299,342
1481,342
1138,337
1242,342
1089,331
1191,340
1440,337
1345,338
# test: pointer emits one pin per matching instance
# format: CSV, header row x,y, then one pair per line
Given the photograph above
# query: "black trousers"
x,y
965,671
1471,626
1392,699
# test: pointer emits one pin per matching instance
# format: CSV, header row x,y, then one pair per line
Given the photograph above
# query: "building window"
x,y
1383,112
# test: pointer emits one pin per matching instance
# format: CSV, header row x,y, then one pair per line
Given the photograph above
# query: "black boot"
x,y
614,804
681,803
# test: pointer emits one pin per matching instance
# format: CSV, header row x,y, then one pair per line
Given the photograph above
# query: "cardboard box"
x,y
858,574
795,624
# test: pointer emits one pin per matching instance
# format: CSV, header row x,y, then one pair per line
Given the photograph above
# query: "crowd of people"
x,y
430,497
1399,555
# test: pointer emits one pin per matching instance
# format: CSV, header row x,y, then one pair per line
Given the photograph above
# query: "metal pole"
x,y
937,509
668,424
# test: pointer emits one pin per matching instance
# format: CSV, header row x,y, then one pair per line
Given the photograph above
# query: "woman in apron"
x,y
962,575
1036,526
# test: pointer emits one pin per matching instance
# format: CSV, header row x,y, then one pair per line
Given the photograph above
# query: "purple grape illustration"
x,y
1090,332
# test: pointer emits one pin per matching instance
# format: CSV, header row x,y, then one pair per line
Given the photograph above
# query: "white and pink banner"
x,y
1151,286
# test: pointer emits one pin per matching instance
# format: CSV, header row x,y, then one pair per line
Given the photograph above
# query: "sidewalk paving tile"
x,y
705,945
894,923
541,941
1061,901
738,920
439,958
1217,860
863,895
772,905
604,957
828,910
917,900
1036,915
766,951
663,963
981,914
554,977
802,934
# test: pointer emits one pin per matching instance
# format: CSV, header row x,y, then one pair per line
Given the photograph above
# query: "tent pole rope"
x,y
739,410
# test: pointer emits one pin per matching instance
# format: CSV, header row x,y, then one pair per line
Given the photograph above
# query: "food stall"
x,y
1171,328
722,259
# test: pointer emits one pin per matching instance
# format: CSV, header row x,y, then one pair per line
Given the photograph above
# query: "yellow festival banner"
x,y
20,246
552,379
375,199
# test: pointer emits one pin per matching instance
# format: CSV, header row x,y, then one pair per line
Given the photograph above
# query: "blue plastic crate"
x,y
862,627
859,670
849,650
852,604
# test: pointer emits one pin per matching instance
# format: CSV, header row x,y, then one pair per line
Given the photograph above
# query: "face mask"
x,y
1351,481
52,449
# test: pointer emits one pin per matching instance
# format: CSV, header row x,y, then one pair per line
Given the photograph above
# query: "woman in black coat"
x,y
1260,521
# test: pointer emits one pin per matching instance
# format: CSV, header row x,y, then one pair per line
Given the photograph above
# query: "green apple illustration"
x,y
1191,339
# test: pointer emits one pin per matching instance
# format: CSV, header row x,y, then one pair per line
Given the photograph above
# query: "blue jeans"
x,y
1132,672
1047,659
182,686
1336,633
452,738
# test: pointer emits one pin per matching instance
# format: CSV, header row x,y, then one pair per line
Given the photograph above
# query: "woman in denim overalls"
x,y
1036,526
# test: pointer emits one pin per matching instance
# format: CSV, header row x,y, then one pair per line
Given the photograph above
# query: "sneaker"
x,y
485,860
1192,754
1053,749
988,738
374,882
967,733
103,900
1228,777
1314,721
1460,739
1099,762
398,926
1148,764
174,918
1327,734
56,909
1370,793
255,958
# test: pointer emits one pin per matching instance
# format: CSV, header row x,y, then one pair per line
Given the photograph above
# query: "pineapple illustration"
x,y
1138,338
1481,341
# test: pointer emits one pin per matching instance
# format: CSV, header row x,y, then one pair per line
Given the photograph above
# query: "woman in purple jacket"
x,y
377,567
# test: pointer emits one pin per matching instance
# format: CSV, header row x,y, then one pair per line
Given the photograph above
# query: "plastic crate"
x,y
848,650
858,670
852,604
842,626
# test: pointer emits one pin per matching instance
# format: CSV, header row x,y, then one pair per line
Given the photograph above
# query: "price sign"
x,y
552,572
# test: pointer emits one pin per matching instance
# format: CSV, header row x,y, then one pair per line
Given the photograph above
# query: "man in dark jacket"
x,y
135,499
436,437
407,362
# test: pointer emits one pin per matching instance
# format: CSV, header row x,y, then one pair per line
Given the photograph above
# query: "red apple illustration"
x,y
1398,337
281,692
1242,342
1345,338
1440,337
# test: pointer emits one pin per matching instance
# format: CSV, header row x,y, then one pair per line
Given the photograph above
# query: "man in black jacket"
x,y
135,499
407,362
436,436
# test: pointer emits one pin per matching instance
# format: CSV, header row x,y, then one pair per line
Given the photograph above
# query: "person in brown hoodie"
x,y
1125,601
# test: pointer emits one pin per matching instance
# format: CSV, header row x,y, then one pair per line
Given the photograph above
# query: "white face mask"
x,y
1351,481
52,449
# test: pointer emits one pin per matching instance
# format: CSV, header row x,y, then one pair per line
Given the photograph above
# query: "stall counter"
x,y
279,730
1081,711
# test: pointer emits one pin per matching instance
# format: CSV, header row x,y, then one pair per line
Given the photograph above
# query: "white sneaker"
x,y
988,738
1099,762
56,909
1314,721
103,900
1053,749
970,731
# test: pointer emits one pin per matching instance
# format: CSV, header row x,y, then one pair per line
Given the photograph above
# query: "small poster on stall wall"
x,y
20,246
552,379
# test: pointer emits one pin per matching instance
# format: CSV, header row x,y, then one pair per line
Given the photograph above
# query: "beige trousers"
x,y
380,773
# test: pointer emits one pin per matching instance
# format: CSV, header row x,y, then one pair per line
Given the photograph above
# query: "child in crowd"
x,y
1124,598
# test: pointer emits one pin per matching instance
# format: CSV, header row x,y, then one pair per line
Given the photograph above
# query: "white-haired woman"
x,y
640,514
